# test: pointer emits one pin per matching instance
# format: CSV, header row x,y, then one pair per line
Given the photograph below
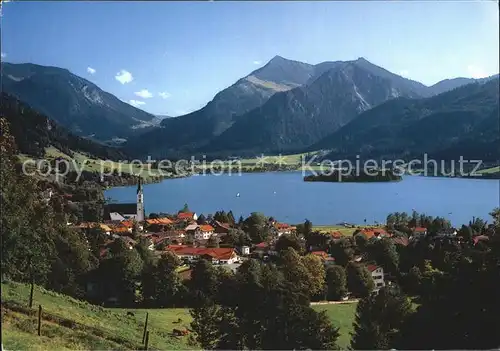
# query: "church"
x,y
120,212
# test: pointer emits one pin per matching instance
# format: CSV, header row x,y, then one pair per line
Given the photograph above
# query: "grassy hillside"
x,y
73,324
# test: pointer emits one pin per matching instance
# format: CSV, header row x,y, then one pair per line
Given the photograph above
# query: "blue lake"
x,y
285,196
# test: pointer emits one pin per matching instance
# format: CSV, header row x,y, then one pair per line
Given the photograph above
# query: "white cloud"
x,y
4,55
90,70
476,71
180,112
136,103
164,95
124,76
144,93
257,62
404,73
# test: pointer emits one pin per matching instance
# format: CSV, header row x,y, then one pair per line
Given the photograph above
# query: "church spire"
x,y
140,202
139,186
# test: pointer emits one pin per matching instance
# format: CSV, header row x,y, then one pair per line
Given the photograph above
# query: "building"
x,y
221,228
120,212
200,231
215,255
187,216
336,235
377,273
245,250
283,228
204,232
159,224
88,225
325,258
448,234
377,233
419,232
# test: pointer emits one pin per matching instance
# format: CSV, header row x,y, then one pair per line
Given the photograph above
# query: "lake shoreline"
x,y
286,197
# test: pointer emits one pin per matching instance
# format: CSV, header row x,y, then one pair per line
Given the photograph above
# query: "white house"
x,y
216,255
245,250
202,232
377,273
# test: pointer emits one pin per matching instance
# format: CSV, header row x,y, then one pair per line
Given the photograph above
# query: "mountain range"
x,y
443,126
74,102
34,133
284,106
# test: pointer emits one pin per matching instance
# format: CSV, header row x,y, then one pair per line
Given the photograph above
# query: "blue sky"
x,y
183,53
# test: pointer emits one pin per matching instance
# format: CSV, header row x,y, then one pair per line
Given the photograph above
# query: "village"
x,y
192,237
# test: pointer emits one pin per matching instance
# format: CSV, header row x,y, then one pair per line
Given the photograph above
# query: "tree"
x,y
185,209
318,240
379,318
256,225
361,241
336,282
465,300
230,217
203,283
205,324
295,271
201,219
466,233
221,216
316,270
28,232
74,259
496,216
342,250
288,240
120,273
168,280
213,241
359,280
264,312
96,238
236,238
142,248
305,229
384,252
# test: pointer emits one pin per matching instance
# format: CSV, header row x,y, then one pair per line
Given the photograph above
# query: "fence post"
x,y
145,328
39,320
147,340
31,292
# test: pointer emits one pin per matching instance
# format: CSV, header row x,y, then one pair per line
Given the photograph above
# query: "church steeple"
x,y
140,202
139,186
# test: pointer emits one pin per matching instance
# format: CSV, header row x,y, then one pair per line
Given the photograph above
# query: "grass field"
x,y
98,328
106,328
87,163
342,316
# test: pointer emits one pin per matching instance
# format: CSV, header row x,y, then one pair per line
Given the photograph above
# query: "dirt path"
x,y
334,302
